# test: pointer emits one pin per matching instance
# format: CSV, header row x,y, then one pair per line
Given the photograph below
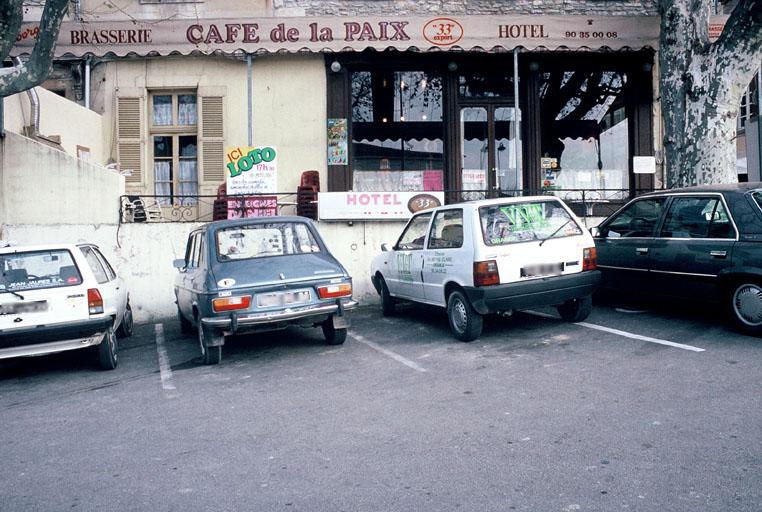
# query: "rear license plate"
x,y
23,307
282,298
544,270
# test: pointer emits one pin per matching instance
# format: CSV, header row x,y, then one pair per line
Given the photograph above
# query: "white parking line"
x,y
165,369
386,352
624,333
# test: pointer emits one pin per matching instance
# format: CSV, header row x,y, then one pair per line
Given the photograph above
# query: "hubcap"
x,y
747,303
459,318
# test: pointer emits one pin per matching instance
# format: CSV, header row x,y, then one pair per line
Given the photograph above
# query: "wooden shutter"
x,y
212,144
129,149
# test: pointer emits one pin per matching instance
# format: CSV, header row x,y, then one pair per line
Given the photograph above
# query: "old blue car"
x,y
256,274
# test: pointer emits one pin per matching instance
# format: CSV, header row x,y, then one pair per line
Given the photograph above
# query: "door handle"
x,y
718,254
641,250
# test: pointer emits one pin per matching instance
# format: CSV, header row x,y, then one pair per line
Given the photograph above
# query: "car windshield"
x,y
265,239
520,222
37,269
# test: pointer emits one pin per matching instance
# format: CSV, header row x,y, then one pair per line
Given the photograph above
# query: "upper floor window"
x,y
175,147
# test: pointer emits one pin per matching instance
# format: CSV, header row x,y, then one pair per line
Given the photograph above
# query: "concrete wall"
x,y
42,185
143,255
74,124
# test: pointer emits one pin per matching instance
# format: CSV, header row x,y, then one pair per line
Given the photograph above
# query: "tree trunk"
x,y
701,88
35,70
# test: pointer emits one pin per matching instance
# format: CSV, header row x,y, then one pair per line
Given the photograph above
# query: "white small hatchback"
x,y
61,297
490,256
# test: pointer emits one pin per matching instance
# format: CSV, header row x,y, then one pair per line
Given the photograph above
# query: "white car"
x,y
61,297
490,256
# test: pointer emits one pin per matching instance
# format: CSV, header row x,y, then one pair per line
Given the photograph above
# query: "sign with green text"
x,y
251,170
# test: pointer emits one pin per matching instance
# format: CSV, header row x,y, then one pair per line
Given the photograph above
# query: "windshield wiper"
x,y
17,294
559,228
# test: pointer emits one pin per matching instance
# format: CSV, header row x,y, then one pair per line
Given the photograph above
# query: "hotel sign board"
x,y
336,33
375,205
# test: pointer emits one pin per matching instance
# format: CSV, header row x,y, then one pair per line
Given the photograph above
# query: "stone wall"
x,y
474,7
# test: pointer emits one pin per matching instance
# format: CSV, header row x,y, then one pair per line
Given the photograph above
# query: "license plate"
x,y
23,307
543,270
282,298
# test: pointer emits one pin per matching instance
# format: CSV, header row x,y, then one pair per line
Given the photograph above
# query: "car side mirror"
x,y
385,247
595,231
179,263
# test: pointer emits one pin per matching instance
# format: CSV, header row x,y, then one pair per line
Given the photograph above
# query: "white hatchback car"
x,y
490,256
61,297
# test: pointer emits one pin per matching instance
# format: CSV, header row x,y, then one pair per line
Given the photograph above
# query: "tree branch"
x,y
36,69
11,16
744,27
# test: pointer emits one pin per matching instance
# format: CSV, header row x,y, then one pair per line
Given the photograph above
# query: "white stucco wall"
x,y
143,255
74,124
42,185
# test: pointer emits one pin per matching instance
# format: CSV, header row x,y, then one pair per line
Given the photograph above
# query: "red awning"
x,y
335,34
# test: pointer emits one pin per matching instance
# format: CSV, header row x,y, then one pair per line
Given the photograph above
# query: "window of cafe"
x,y
397,131
585,132
459,123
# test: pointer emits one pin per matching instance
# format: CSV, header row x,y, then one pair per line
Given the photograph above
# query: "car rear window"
x,y
521,222
265,239
38,269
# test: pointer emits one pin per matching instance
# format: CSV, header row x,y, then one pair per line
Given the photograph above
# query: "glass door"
x,y
490,153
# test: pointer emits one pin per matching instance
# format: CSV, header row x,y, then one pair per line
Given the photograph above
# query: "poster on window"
x,y
337,141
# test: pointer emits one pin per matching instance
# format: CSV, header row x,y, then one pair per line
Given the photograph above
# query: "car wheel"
x,y
388,303
125,328
746,308
576,310
185,326
465,322
333,336
107,348
213,354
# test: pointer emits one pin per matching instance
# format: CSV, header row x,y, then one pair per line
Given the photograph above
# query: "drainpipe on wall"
x,y
248,96
2,118
87,83
34,101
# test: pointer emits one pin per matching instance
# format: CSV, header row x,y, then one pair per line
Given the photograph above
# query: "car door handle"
x,y
641,250
718,254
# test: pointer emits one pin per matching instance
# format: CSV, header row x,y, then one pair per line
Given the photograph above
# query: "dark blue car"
x,y
691,244
257,274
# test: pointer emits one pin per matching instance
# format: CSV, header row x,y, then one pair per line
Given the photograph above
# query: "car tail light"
x,y
231,303
589,259
485,273
94,301
335,290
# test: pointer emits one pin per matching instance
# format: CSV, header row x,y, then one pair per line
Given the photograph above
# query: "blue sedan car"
x,y
257,274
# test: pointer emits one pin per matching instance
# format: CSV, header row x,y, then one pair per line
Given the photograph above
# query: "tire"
x,y
333,336
576,310
185,326
107,350
211,355
465,323
745,301
125,328
388,303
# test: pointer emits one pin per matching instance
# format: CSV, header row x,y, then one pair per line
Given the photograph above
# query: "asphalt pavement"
x,y
633,409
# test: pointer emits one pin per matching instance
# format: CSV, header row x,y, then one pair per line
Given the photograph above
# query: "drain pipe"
x,y
87,83
34,101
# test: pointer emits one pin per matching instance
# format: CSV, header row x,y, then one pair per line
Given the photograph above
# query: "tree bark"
x,y
701,87
35,70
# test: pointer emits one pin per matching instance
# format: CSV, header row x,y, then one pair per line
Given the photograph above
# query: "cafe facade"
x,y
385,107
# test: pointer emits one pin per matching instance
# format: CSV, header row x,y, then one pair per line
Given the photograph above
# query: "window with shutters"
x,y
174,126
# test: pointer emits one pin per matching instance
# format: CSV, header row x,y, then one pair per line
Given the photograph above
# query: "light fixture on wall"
x,y
534,66
452,66
335,66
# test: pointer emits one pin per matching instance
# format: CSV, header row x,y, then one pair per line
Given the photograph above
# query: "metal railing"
x,y
206,208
